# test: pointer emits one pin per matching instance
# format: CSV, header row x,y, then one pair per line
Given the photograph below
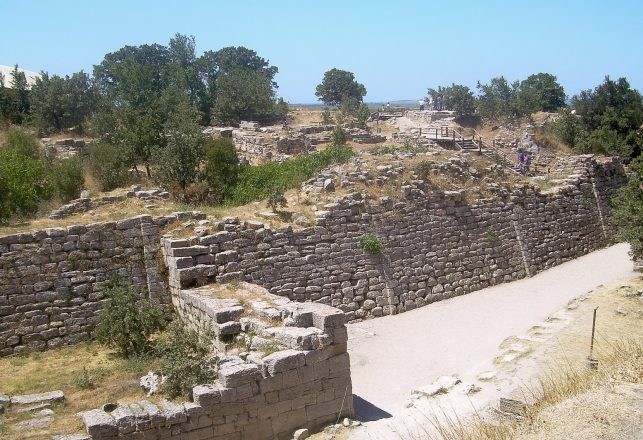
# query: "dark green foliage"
x,y
59,103
339,86
243,94
540,92
109,164
127,321
423,169
339,136
179,158
628,209
371,244
67,178
221,169
607,121
277,199
568,128
258,181
185,360
498,99
327,118
23,177
455,97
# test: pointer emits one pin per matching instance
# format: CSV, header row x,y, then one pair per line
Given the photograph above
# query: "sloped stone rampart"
x,y
436,244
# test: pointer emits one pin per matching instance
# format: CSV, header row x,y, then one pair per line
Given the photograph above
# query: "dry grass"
x,y
568,400
114,380
550,142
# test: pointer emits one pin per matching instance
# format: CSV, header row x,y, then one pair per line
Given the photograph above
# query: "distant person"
x,y
527,162
521,160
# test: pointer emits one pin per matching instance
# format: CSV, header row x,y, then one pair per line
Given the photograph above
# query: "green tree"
x,y
243,94
338,86
182,153
221,169
612,114
59,103
23,176
132,82
628,209
127,321
218,69
540,92
498,99
109,165
21,103
67,178
460,99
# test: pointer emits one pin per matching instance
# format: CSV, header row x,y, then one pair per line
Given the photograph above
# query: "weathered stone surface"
x,y
99,424
38,423
28,399
283,360
233,375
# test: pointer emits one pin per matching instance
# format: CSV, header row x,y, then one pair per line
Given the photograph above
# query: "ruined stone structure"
x,y
306,383
52,281
296,290
436,245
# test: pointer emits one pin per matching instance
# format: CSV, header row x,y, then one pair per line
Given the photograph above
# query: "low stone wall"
x,y
305,384
436,244
52,281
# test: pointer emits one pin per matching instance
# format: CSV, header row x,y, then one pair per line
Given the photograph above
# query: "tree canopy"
x,y
338,86
455,97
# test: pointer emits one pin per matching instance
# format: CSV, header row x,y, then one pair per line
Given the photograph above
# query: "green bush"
x,y
109,164
67,178
23,180
628,209
327,118
277,199
185,360
257,182
371,244
127,321
222,168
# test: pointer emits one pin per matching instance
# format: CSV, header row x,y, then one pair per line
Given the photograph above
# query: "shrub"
x,y
256,182
277,198
222,167
23,182
185,360
423,169
339,136
371,244
67,178
628,209
327,118
109,164
127,321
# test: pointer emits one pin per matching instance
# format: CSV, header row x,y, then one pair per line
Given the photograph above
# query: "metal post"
x,y
591,362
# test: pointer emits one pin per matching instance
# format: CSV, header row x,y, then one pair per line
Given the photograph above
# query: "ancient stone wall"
x,y
436,244
306,383
52,281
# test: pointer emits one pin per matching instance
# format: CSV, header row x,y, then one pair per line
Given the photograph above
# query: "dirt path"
x,y
464,337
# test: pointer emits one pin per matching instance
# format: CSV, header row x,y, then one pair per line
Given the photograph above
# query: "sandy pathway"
x,y
392,356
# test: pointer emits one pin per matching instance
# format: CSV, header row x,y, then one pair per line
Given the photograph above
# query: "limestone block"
x,y
99,424
282,361
28,399
233,375
206,395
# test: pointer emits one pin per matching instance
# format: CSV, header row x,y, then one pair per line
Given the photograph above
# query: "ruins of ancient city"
x,y
185,254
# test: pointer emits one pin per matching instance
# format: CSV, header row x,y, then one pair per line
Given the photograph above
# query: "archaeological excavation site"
x,y
198,245
400,225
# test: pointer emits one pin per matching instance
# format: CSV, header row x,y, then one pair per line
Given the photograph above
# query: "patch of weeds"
x,y
371,244
89,380
423,169
492,234
270,348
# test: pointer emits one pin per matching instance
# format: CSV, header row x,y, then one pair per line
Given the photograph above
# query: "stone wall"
x,y
436,244
305,384
52,281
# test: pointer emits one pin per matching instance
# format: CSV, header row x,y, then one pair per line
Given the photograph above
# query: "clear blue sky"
x,y
397,49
